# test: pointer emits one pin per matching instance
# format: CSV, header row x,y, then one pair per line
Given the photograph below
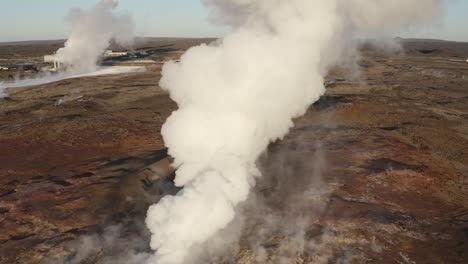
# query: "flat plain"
x,y
375,172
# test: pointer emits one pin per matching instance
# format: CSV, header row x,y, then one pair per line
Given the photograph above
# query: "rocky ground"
x,y
375,172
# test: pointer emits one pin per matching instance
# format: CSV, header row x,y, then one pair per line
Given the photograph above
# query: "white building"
x,y
110,53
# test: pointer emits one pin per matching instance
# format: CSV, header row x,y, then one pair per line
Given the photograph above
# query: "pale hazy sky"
x,y
45,19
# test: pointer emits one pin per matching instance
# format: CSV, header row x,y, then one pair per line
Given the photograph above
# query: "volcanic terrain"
x,y
375,172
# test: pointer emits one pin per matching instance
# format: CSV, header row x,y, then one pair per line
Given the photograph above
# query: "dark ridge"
x,y
325,129
76,231
20,237
327,102
135,108
12,112
387,217
84,175
33,42
369,210
171,177
147,47
71,116
60,182
122,170
383,165
138,85
162,50
390,128
409,124
156,156
7,193
428,51
61,82
117,162
111,177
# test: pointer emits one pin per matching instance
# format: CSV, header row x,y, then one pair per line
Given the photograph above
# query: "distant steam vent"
x,y
53,59
60,65
92,32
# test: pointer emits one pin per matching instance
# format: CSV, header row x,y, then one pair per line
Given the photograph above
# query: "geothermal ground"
x,y
375,172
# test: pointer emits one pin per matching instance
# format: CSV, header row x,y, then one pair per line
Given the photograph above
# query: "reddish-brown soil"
x,y
375,172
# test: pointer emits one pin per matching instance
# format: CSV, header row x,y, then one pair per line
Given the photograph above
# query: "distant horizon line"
x,y
65,39
48,41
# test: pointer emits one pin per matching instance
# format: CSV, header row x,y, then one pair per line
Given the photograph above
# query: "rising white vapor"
x,y
243,93
91,34
92,31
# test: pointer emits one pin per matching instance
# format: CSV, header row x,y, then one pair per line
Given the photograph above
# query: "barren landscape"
x,y
375,172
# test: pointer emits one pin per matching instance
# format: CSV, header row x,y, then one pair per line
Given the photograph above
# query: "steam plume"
x,y
237,96
92,32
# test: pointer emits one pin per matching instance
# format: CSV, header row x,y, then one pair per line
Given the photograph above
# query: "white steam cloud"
x,y
239,95
92,32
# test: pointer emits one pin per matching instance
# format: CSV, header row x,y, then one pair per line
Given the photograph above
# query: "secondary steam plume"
x,y
92,32
239,95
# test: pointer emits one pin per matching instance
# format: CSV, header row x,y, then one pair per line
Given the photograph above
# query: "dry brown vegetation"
x,y
375,172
